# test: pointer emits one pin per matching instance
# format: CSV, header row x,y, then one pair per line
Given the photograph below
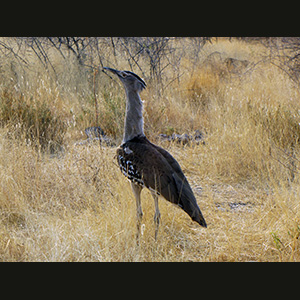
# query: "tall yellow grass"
x,y
76,205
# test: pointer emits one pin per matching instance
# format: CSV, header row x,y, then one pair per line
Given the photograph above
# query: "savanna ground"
x,y
62,200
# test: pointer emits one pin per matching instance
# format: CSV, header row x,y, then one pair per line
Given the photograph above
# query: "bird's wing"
x,y
159,171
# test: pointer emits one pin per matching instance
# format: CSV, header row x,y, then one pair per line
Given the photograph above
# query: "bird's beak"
x,y
111,70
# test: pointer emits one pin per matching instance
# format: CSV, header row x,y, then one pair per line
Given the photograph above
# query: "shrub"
x,y
33,120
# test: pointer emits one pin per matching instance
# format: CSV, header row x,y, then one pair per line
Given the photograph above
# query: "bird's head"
x,y
131,81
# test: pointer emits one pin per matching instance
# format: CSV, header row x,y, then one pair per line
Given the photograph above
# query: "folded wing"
x,y
158,170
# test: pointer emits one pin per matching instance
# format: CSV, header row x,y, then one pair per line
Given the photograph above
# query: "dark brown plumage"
x,y
151,166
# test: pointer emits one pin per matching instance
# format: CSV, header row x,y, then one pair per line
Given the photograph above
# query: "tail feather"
x,y
187,201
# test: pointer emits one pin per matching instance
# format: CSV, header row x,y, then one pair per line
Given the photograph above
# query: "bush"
x,y
280,123
33,120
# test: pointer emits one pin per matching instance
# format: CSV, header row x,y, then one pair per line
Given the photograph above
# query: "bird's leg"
x,y
139,213
157,213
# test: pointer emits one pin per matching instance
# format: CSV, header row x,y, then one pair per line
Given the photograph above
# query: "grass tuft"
x,y
32,120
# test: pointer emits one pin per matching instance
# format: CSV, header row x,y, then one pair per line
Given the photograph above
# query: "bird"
x,y
147,165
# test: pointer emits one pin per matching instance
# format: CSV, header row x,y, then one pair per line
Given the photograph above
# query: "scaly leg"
x,y
139,213
157,214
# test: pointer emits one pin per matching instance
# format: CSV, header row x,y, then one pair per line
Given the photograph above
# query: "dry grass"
x,y
77,206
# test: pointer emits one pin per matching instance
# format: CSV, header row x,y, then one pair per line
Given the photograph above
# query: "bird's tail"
x,y
187,201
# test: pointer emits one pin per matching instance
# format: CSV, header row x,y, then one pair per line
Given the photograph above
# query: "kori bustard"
x,y
147,165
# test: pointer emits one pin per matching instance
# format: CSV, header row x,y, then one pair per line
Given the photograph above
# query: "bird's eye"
x,y
123,74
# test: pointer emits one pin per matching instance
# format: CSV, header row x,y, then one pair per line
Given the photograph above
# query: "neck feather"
x,y
134,123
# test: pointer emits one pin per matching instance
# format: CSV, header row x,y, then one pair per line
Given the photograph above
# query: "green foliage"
x,y
278,243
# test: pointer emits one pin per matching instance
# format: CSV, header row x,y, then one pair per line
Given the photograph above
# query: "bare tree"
x,y
284,52
151,56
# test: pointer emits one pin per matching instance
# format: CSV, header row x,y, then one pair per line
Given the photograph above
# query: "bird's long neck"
x,y
134,122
